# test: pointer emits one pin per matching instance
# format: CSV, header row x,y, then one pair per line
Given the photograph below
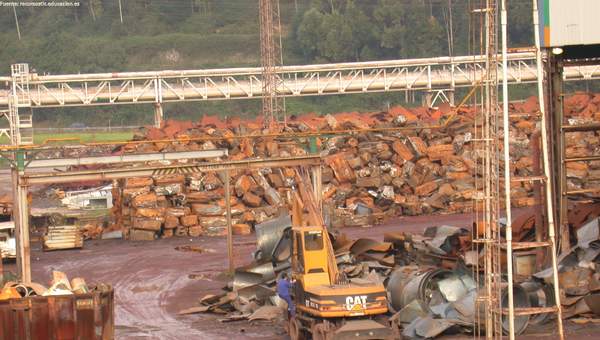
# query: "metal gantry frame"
x,y
20,184
22,180
560,129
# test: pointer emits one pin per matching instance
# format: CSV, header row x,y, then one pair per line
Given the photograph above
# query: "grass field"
x,y
83,137
76,137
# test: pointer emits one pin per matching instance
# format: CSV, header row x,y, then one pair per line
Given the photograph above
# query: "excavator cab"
x,y
310,265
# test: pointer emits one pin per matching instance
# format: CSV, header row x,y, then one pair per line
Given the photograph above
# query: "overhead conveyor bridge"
x,y
438,77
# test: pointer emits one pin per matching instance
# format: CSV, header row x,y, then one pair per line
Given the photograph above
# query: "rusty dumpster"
x,y
60,317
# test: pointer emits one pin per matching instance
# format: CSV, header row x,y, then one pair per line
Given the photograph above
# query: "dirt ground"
x,y
153,281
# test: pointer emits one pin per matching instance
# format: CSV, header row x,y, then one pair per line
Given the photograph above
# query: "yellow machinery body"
x,y
317,295
328,305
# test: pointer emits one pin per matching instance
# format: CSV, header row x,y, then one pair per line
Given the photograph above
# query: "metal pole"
x,y
450,30
120,11
17,22
158,115
24,222
229,228
540,225
16,218
317,186
545,156
506,128
489,107
21,219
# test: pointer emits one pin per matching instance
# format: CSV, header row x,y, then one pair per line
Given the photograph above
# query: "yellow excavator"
x,y
328,306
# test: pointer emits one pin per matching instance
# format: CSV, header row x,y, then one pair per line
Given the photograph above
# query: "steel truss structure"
x,y
443,73
435,76
271,57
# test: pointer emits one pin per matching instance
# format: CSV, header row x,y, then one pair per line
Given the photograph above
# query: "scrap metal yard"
x,y
358,215
154,281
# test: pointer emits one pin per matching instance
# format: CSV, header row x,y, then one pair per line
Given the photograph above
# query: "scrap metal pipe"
x,y
540,295
518,323
406,285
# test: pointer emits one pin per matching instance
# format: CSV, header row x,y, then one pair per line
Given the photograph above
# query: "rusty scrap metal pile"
x,y
67,309
59,285
431,279
6,205
368,175
194,205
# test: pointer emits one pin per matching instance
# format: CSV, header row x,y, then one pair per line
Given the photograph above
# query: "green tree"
x,y
310,32
408,30
520,22
391,26
55,53
329,6
362,31
338,42
174,12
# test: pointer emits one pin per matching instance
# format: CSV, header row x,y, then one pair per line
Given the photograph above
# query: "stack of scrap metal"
x,y
252,294
89,199
429,301
8,244
404,169
63,237
59,285
193,205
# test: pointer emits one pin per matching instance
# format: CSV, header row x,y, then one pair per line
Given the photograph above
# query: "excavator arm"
x,y
304,200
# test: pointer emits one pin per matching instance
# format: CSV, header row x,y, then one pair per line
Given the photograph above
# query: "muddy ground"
x,y
153,281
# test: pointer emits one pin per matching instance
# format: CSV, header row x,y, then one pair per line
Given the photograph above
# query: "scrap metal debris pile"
x,y
431,279
67,309
193,205
386,166
6,205
579,268
59,285
582,109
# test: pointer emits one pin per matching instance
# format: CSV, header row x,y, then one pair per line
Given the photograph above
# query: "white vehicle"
x,y
8,245
89,199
